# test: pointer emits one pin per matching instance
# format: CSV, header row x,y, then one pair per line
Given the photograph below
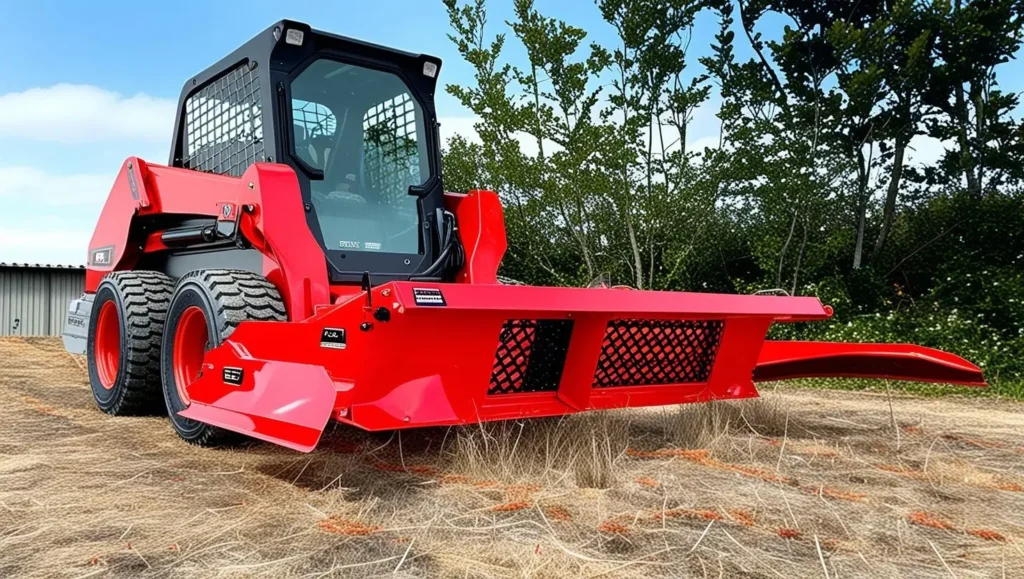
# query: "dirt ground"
x,y
800,483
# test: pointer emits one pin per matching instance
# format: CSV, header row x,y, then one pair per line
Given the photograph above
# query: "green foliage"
x,y
953,280
810,188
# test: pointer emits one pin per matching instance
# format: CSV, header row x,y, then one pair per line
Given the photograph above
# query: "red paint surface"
x,y
190,338
482,232
266,203
432,365
781,360
107,348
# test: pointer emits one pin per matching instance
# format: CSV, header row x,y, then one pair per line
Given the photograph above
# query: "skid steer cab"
x,y
297,260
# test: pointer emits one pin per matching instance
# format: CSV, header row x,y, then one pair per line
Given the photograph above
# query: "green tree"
x,y
973,39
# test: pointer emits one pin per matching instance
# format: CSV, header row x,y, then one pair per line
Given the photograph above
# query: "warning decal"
x,y
428,296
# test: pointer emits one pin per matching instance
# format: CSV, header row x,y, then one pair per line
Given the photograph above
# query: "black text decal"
x,y
233,375
333,338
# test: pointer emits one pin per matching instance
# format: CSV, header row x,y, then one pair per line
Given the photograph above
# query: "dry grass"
x,y
709,425
798,483
547,449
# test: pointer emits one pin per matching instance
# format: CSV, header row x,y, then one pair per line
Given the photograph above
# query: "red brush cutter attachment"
x,y
438,354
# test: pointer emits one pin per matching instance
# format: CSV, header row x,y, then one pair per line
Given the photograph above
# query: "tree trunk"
x,y
980,137
650,272
862,207
799,261
890,195
634,246
536,106
683,129
748,26
785,248
637,258
964,142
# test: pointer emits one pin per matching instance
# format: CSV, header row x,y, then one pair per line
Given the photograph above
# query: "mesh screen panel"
x,y
314,119
530,356
391,157
224,124
657,352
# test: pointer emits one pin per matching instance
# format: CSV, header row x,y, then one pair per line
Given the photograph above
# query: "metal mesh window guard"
x,y
391,157
315,119
224,124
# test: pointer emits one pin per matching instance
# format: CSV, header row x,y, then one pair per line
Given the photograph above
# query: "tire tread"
x,y
145,297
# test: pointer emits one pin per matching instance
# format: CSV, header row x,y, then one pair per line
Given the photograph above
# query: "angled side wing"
x,y
781,360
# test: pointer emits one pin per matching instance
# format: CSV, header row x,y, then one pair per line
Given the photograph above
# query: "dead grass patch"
x,y
613,528
975,442
340,526
743,517
703,457
837,494
39,407
557,513
954,472
925,520
987,534
647,481
699,514
511,507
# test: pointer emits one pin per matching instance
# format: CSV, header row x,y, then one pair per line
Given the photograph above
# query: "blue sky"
x,y
86,84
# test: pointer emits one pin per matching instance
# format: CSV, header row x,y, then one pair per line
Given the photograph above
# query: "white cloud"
x,y
35,245
28,185
78,113
451,126
703,131
47,218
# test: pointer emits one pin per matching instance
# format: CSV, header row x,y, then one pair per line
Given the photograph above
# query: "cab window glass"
x,y
363,129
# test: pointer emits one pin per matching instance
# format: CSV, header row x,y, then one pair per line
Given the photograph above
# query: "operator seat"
x,y
343,180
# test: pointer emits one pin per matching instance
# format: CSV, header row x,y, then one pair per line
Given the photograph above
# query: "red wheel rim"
x,y
190,338
108,345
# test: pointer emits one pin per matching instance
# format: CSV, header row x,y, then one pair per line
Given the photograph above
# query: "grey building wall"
x,y
34,298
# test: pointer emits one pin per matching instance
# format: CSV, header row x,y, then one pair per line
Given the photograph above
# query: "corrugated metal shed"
x,y
34,297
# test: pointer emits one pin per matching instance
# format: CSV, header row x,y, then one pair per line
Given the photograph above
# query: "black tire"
x,y
226,298
139,300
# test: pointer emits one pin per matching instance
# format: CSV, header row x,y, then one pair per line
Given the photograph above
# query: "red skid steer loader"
x,y
298,261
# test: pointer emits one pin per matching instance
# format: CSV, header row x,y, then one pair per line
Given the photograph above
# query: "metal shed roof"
x,y
41,265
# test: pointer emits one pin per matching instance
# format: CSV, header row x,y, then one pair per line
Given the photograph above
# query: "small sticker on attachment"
x,y
333,338
428,296
233,375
